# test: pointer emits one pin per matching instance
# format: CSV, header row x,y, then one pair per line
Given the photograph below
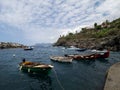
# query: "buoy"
x,y
13,55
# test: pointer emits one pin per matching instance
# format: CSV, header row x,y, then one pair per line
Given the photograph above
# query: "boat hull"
x,y
102,54
61,59
95,55
105,55
28,49
83,57
35,70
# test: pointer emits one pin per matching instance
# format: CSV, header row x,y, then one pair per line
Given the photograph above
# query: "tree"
x,y
107,22
70,34
95,25
98,27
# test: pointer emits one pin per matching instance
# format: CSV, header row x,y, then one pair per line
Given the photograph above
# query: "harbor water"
x,y
78,75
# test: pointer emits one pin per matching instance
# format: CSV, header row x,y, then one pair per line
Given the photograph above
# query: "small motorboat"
x,y
61,59
28,48
35,68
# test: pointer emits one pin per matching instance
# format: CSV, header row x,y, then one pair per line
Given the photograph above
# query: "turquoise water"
x,y
78,75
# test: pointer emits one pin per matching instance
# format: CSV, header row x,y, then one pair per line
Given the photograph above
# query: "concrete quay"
x,y
113,78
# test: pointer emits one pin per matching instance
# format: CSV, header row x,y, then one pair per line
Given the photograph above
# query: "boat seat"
x,y
27,63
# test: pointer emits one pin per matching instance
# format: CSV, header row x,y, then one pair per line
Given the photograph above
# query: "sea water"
x,y
78,75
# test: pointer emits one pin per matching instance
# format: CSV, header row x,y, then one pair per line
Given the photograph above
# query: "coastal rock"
x,y
112,43
4,45
102,38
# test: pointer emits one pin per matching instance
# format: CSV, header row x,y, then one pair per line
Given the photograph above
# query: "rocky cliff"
x,y
105,35
4,45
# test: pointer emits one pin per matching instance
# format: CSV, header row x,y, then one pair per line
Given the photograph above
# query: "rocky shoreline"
x,y
103,36
5,45
110,43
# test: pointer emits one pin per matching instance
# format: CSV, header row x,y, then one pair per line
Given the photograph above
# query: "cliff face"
x,y
4,45
106,35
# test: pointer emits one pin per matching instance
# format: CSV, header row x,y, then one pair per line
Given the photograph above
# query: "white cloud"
x,y
54,17
111,7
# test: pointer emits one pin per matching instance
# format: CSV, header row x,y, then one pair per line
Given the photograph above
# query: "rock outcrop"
x,y
4,45
110,43
102,38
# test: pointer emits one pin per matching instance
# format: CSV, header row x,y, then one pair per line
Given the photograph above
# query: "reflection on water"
x,y
87,62
103,60
40,82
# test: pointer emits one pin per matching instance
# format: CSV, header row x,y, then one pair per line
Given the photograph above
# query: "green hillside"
x,y
105,35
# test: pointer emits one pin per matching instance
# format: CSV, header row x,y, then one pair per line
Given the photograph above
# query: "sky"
x,y
43,21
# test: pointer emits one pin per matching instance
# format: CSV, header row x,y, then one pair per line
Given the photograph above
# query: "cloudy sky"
x,y
43,21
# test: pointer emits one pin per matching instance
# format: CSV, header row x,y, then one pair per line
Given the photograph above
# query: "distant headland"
x,y
5,45
106,36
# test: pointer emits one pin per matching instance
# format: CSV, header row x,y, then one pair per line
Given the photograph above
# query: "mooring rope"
x,y
58,80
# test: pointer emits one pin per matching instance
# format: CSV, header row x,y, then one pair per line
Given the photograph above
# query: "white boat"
x,y
61,59
72,48
29,48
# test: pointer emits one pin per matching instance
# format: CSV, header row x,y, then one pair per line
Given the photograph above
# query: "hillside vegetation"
x,y
106,35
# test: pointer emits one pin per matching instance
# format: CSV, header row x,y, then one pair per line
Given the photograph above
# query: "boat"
x,y
35,68
72,48
61,59
82,56
80,50
94,54
101,53
28,48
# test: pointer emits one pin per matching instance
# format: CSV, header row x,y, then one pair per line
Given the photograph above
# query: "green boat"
x,y
35,68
